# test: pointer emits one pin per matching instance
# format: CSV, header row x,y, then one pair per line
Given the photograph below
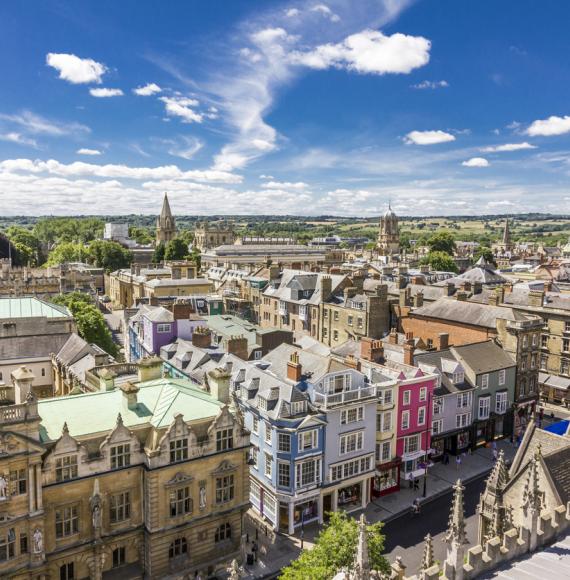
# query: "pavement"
x,y
277,550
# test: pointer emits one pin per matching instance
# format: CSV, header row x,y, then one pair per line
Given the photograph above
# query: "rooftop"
x,y
31,308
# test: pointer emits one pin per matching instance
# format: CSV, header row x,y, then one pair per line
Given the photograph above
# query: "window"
x,y
458,377
119,557
67,571
525,341
438,405
421,416
463,400
350,319
384,451
299,407
544,341
523,363
255,457
430,343
501,403
350,468
284,443
255,426
565,344
18,482
360,324
336,315
224,439
307,440
436,426
180,502
405,420
351,415
268,433
325,313
178,450
23,543
385,397
335,334
412,444
163,328
66,468
66,521
268,466
423,393
43,372
7,545
120,509
533,360
223,533
564,366
484,407
178,548
384,421
462,420
120,456
535,340
502,377
224,489
567,326
543,362
485,381
407,395
351,442
284,474
308,472
325,332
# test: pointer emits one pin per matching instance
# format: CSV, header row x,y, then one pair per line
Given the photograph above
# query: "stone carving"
x,y
38,541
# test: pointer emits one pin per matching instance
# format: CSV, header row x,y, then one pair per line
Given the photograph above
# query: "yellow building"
x,y
137,481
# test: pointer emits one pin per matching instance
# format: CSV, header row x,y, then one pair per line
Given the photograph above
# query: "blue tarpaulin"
x,y
558,428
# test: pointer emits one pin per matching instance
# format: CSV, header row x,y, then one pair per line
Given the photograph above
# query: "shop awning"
x,y
413,455
560,383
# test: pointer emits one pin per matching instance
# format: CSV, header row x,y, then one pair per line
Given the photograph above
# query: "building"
x,y
506,247
117,233
208,236
389,236
137,481
165,224
30,331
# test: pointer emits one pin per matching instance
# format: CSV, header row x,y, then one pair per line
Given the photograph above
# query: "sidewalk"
x,y
277,550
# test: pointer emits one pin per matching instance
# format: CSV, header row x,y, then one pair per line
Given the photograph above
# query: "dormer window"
x,y
66,468
458,377
178,450
298,407
262,403
120,456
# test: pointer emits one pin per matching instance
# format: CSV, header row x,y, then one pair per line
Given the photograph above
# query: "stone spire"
x,y
456,537
532,500
507,234
427,558
165,223
362,560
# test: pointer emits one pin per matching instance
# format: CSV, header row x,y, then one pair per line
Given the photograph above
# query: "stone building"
x,y
389,236
165,224
137,481
207,236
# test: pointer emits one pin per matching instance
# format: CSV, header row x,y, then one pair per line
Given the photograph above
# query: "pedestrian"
x,y
458,462
416,484
446,458
495,455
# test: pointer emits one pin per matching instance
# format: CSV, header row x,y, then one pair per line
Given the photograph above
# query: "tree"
x,y
440,261
90,322
335,549
108,255
487,253
442,242
176,249
141,235
67,252
27,246
158,255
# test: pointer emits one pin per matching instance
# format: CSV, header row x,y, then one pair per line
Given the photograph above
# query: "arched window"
x,y
224,532
177,548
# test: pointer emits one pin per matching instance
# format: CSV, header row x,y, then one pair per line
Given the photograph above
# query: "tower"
x,y
389,236
165,224
507,242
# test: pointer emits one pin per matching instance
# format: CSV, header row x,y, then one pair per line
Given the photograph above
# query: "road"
x,y
405,534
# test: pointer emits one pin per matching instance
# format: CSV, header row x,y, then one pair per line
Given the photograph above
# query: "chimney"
x,y
382,291
237,345
202,337
150,369
182,311
404,298
22,378
465,286
326,288
500,292
536,298
358,282
477,287
273,272
130,391
393,337
219,381
137,269
371,350
424,268
418,280
461,296
402,282
419,300
442,341
294,368
548,285
449,289
409,348
349,292
106,380
352,362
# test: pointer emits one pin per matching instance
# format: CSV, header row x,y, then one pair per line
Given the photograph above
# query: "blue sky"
x,y
241,107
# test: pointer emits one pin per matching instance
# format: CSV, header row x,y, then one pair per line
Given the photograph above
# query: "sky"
x,y
340,107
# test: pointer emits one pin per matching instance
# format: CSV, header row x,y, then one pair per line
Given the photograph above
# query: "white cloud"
x,y
182,107
476,162
37,125
187,149
292,12
326,11
85,151
76,70
298,185
508,147
105,93
431,85
18,138
548,127
427,137
369,51
147,90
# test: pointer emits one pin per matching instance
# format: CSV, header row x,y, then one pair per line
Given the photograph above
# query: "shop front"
x,y
350,497
483,432
387,478
294,514
413,465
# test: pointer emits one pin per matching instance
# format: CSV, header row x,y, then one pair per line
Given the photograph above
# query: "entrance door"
x,y
327,506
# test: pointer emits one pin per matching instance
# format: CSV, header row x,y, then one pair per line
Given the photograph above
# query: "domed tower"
x,y
389,236
165,224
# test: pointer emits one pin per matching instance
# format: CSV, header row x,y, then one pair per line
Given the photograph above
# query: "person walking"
x,y
458,461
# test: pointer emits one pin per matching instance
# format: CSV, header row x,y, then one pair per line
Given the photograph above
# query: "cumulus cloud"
x,y
548,127
508,147
326,12
428,137
370,52
182,107
105,93
147,90
86,151
430,85
18,138
476,162
76,70
298,185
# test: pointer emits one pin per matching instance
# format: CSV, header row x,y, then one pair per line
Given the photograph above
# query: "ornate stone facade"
x,y
389,235
165,224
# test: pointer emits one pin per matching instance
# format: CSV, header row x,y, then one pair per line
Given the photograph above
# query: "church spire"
x,y
427,557
165,223
456,537
165,213
507,235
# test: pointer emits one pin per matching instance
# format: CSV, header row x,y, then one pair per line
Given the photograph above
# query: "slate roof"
x,y
42,346
310,280
190,359
158,314
484,357
436,362
558,464
73,349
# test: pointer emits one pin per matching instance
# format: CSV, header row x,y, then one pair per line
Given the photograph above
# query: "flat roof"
x,y
31,307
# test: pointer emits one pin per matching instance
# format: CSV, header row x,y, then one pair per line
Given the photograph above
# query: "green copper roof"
x,y
30,307
158,402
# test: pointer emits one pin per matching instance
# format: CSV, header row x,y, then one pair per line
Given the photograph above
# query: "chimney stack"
x,y
219,382
150,369
449,289
371,350
237,345
326,288
22,378
442,341
349,293
130,391
294,368
352,362
461,296
409,348
393,337
202,337
106,380
419,300
536,298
